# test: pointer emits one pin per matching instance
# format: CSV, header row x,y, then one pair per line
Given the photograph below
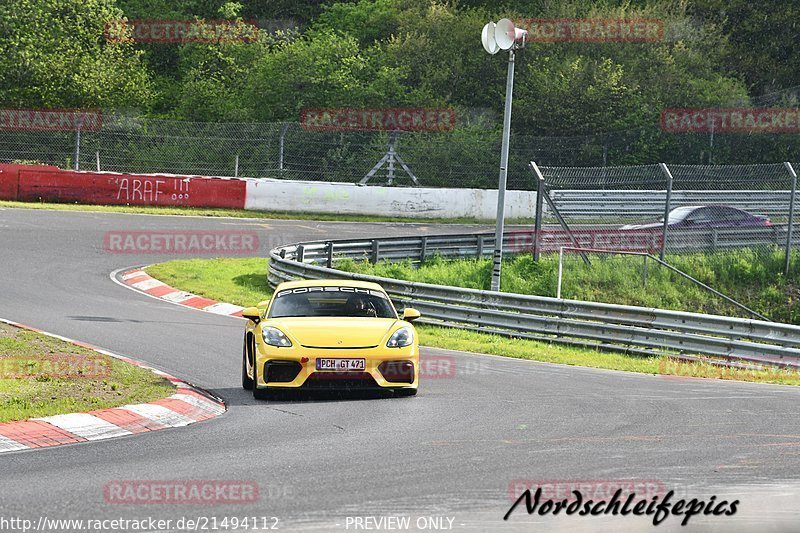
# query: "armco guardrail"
x,y
615,327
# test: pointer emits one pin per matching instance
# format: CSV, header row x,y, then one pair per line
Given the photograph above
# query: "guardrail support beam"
x,y
667,209
537,228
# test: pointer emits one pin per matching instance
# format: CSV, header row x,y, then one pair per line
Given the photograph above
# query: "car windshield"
x,y
331,301
679,214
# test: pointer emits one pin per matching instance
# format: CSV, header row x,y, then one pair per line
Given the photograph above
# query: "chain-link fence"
x,y
726,226
465,157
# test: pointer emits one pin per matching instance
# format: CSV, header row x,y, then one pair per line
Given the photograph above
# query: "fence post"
x,y
787,260
644,271
236,167
280,155
97,158
329,253
375,252
537,228
77,147
560,270
667,209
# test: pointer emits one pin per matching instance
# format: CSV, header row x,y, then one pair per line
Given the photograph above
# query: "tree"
x,y
53,54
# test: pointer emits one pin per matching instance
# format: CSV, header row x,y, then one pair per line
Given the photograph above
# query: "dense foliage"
x,y
370,53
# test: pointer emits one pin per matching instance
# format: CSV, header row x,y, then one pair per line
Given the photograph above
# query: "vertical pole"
x,y
560,270
77,147
667,208
390,172
537,227
789,229
236,167
644,271
97,158
711,145
375,257
501,189
280,155
329,254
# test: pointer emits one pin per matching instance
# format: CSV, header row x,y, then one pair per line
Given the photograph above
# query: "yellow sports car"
x,y
329,334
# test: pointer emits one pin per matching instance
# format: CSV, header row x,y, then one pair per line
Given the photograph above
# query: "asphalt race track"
x,y
452,451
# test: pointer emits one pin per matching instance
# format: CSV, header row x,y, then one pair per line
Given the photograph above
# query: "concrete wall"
x,y
316,197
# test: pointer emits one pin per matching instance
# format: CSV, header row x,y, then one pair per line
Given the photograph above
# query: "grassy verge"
x,y
241,213
244,282
42,376
752,277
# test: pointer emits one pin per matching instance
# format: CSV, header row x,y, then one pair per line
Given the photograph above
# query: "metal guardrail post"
x,y
667,209
479,247
300,253
787,260
423,249
375,256
537,228
329,254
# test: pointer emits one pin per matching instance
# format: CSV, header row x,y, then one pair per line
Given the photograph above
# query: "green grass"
x,y
43,376
244,282
241,213
754,278
240,281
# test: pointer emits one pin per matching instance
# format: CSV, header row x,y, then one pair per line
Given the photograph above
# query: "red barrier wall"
x,y
50,184
9,179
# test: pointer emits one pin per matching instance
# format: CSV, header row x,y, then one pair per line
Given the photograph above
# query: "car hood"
x,y
335,332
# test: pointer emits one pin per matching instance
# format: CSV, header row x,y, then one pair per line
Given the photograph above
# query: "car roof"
x,y
329,283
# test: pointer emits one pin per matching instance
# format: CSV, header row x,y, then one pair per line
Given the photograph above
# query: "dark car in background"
x,y
705,216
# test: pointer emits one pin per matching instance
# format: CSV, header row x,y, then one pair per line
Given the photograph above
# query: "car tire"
x,y
247,381
405,392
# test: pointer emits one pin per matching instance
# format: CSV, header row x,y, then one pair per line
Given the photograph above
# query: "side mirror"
x,y
263,304
252,313
410,314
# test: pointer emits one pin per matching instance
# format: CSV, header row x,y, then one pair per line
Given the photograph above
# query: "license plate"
x,y
341,365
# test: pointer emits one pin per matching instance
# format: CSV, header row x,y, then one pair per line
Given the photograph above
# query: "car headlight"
x,y
400,338
275,337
